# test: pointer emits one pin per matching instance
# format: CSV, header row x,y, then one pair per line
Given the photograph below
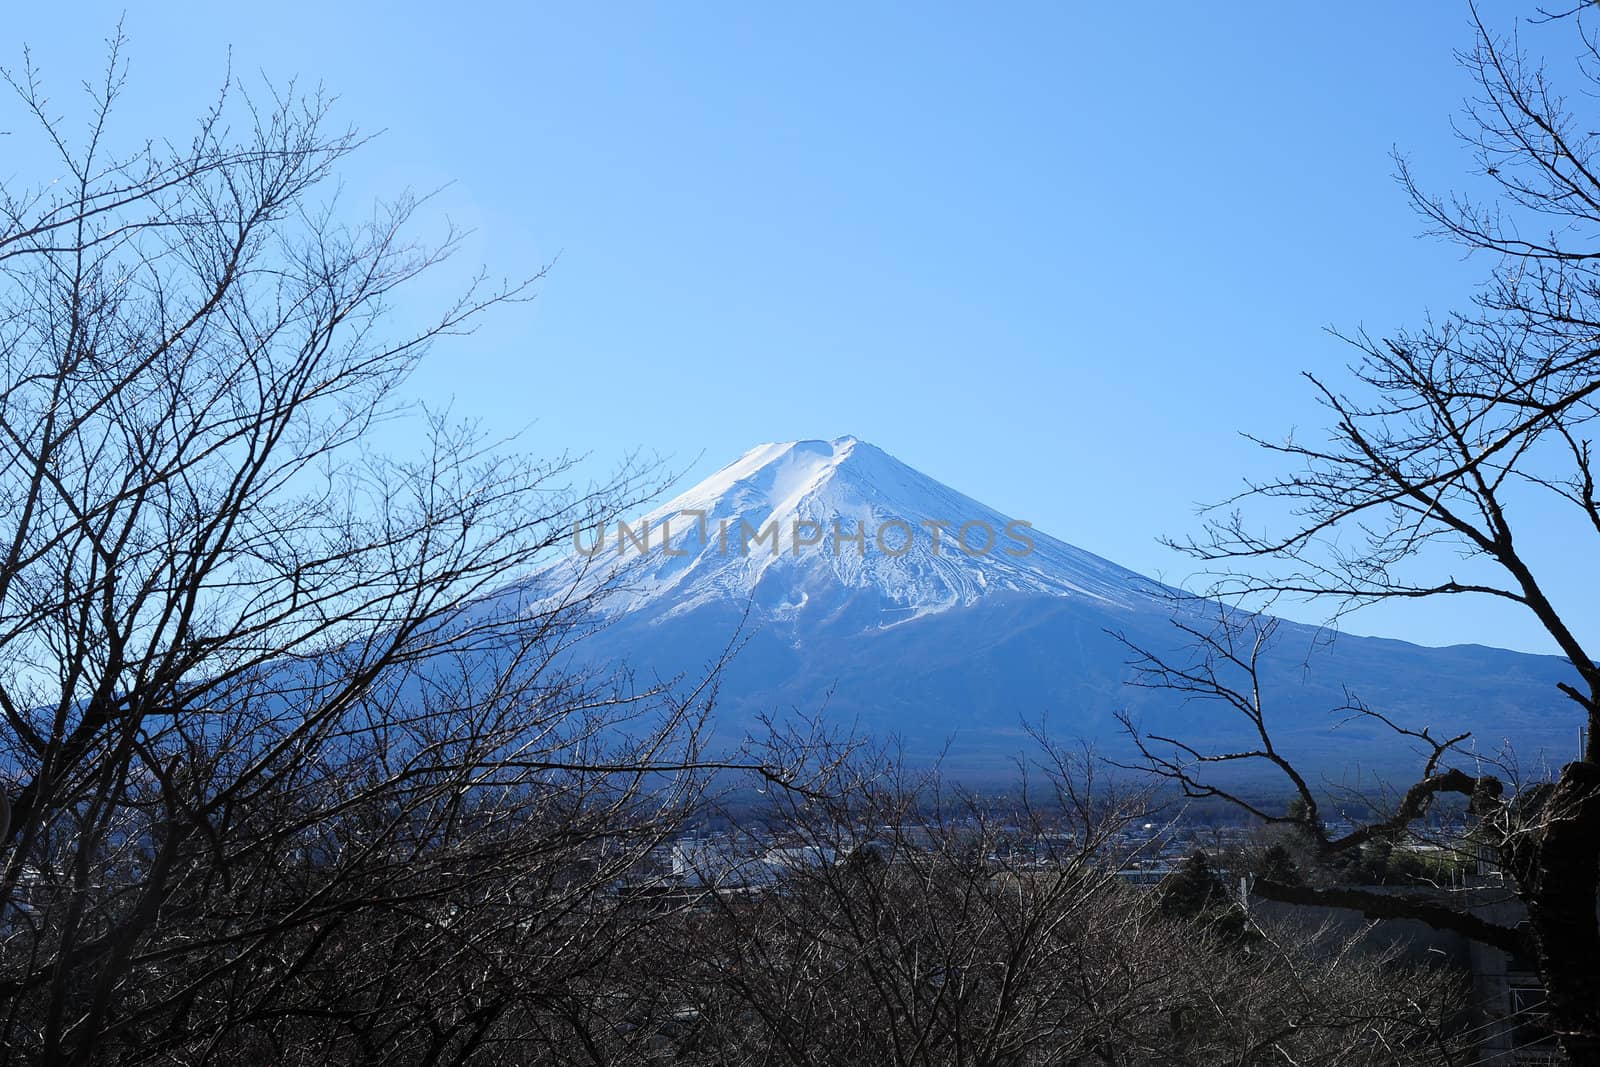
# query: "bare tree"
x,y
893,918
294,767
1452,442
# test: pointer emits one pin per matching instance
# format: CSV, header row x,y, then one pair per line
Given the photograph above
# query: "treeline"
x,y
892,922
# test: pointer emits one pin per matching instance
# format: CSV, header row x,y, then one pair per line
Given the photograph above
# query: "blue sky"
x,y
1055,257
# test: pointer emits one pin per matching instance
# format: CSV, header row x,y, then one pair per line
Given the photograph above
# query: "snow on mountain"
x,y
827,529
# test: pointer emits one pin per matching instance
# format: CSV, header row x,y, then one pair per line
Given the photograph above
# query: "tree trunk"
x,y
1559,883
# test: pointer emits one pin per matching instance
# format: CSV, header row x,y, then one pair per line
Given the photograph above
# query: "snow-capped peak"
x,y
832,527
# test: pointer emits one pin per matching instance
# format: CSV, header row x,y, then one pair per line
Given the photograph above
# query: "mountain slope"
x,y
952,644
806,529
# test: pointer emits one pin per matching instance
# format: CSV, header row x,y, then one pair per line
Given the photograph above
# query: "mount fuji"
x,y
866,591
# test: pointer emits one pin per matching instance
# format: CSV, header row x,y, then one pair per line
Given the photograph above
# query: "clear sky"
x,y
1053,255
